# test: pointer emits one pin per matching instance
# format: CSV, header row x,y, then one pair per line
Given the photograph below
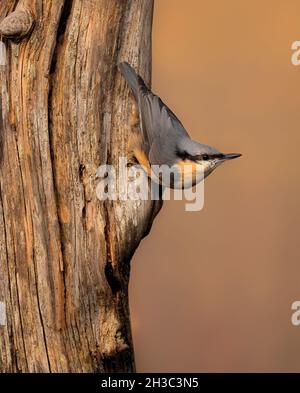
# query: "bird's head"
x,y
206,158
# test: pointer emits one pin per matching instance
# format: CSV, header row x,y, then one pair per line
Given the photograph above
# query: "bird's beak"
x,y
230,156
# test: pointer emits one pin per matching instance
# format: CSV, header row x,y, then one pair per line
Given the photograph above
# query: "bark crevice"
x,y
65,13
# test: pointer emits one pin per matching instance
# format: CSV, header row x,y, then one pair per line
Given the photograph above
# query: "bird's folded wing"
x,y
163,150
157,120
159,124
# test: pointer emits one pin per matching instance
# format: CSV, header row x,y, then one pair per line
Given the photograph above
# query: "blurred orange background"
x,y
212,290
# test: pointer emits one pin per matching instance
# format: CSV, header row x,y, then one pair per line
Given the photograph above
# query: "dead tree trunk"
x,y
65,255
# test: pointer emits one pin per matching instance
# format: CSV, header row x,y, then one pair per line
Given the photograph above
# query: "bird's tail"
x,y
131,77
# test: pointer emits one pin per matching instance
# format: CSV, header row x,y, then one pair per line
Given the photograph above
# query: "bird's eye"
x,y
205,157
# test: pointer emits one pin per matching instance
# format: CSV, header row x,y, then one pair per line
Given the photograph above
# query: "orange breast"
x,y
143,160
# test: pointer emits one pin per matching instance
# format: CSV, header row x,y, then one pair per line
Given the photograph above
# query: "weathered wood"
x,y
64,255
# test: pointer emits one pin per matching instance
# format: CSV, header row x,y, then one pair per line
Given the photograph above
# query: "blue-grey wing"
x,y
160,126
163,150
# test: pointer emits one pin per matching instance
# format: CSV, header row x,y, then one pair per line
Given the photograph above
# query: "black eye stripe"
x,y
206,157
184,155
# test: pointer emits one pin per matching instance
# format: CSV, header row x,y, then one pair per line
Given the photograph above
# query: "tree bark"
x,y
65,255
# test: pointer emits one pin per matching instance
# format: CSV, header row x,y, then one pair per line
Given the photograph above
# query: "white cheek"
x,y
203,167
189,175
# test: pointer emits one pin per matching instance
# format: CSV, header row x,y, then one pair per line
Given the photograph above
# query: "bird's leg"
x,y
135,144
135,135
137,155
134,120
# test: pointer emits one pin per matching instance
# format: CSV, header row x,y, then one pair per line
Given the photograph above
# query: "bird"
x,y
164,142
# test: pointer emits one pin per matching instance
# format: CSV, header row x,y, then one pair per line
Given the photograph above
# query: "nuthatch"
x,y
164,141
